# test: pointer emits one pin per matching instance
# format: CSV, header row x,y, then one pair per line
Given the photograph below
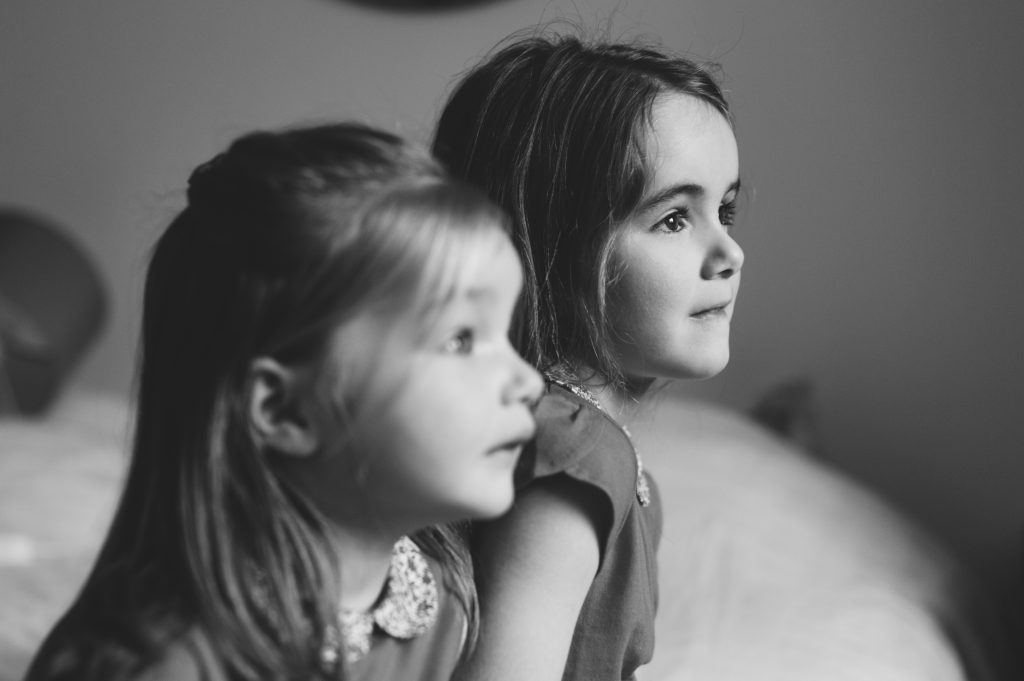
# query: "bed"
x,y
772,565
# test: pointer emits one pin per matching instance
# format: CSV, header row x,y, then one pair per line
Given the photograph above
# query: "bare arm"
x,y
534,568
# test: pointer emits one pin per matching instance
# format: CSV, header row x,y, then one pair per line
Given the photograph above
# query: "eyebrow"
x,y
683,189
475,294
473,297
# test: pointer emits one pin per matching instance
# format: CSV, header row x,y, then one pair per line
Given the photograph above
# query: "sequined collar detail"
x,y
407,609
643,489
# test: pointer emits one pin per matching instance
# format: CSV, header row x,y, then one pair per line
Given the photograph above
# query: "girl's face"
x,y
443,414
679,267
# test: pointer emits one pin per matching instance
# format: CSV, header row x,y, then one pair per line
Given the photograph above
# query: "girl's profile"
x,y
325,383
619,167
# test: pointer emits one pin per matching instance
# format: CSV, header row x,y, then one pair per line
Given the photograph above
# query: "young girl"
x,y
325,375
619,167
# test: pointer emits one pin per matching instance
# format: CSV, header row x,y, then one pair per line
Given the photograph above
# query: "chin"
x,y
495,504
496,509
693,369
703,376
699,369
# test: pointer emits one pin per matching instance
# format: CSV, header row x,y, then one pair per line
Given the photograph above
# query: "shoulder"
x,y
576,437
535,566
561,515
554,518
578,442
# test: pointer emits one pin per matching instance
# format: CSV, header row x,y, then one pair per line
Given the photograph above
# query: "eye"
x,y
461,343
674,221
727,213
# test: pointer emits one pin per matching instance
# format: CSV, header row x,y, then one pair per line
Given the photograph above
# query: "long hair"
x,y
554,129
286,235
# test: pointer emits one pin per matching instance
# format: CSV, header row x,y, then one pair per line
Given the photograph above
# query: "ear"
x,y
280,408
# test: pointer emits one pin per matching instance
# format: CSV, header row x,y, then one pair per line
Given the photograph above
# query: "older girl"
x,y
619,167
325,377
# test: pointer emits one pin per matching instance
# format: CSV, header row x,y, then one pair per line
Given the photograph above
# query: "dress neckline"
x,y
407,608
643,489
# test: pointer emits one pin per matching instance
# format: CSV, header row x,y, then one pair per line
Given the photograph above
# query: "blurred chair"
x,y
52,306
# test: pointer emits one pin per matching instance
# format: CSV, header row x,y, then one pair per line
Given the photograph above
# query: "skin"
x,y
440,422
672,305
441,441
680,267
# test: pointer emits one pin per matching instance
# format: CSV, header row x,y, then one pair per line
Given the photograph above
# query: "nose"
x,y
525,383
724,257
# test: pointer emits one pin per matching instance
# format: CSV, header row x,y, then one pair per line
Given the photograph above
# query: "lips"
x,y
713,312
515,444
511,449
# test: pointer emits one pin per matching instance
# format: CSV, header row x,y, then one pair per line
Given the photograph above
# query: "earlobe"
x,y
278,408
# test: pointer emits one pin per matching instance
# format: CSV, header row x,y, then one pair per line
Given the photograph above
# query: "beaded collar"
x,y
643,489
407,609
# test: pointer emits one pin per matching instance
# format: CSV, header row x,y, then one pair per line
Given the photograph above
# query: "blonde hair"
x,y
285,235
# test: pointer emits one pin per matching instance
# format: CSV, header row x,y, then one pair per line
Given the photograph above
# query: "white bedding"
x,y
59,479
772,566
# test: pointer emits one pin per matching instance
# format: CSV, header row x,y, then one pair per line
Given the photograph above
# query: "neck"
x,y
360,537
619,401
365,555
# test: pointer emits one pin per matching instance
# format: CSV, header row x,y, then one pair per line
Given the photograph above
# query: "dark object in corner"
x,y
52,306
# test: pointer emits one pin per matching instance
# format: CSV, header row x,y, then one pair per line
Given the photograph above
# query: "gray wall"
x,y
880,140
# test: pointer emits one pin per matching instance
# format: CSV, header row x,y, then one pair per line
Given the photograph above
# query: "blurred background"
x,y
881,144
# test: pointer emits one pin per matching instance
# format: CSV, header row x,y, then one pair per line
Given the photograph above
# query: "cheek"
x,y
647,291
426,414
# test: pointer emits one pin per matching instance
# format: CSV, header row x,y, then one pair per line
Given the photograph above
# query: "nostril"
x,y
717,272
724,262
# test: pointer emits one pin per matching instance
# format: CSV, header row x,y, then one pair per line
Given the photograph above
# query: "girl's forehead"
x,y
689,138
678,110
486,266
474,267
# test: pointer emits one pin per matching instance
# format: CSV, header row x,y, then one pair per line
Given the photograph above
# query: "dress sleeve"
x,y
576,439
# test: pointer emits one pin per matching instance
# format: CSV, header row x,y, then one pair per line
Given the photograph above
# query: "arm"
x,y
534,567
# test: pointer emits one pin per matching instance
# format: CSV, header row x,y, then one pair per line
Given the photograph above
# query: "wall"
x,y
881,143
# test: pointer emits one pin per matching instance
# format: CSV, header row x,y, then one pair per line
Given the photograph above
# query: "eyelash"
x,y
726,215
666,222
461,343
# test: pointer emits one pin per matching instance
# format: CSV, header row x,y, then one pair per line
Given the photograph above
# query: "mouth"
x,y
714,313
509,451
513,446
